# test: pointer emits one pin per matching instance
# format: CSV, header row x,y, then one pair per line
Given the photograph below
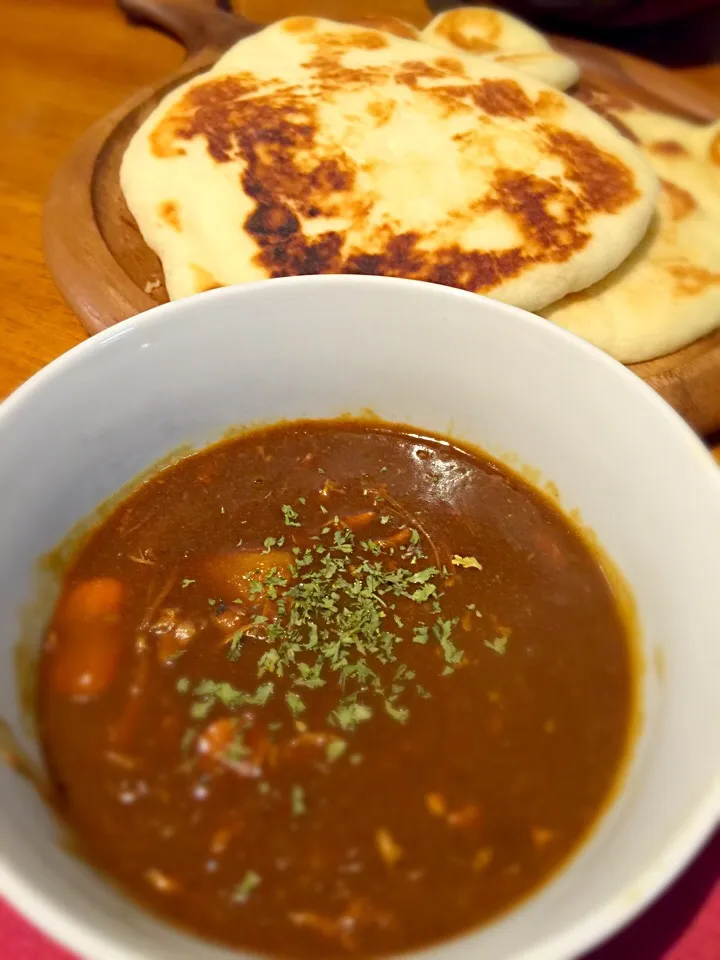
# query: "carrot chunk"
x,y
232,574
93,600
89,642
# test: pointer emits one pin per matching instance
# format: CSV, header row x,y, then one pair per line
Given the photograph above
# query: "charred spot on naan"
x,y
338,43
162,140
169,213
477,31
497,97
550,217
470,44
196,113
715,149
299,24
680,202
411,72
381,111
330,74
501,98
604,182
691,280
366,40
550,105
668,148
451,64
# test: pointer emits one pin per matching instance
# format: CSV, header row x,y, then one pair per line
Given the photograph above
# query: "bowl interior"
x,y
442,360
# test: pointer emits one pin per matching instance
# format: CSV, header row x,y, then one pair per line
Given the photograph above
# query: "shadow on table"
x,y
655,932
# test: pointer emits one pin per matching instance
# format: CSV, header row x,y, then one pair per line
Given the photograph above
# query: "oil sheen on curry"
x,y
334,688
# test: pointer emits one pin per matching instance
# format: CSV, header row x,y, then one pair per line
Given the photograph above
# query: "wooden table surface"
x,y
63,64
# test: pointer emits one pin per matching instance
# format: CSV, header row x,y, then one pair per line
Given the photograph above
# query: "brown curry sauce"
x,y
333,687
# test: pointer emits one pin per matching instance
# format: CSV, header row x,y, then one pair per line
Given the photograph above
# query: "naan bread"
x,y
319,147
667,293
497,36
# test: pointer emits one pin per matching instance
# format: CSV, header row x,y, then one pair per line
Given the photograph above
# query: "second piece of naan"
x,y
667,293
497,36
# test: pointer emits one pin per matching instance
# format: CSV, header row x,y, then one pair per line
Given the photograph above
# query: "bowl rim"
x,y
71,929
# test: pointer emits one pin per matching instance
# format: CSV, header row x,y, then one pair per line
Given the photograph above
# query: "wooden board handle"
x,y
197,24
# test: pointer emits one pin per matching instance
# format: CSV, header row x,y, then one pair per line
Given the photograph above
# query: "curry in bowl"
x,y
335,687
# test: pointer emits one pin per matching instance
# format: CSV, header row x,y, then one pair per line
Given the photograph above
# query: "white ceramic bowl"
x,y
444,360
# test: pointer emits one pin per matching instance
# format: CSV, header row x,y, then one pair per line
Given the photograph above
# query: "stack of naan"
x,y
667,292
449,155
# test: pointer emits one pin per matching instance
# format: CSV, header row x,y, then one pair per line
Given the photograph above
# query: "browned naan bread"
x,y
319,147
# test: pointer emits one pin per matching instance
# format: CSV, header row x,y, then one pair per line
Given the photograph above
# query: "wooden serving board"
x,y
106,272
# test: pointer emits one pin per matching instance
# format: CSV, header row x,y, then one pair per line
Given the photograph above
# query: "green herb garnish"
x,y
498,645
334,750
468,563
297,801
235,647
400,714
295,703
210,692
292,518
242,890
442,631
348,715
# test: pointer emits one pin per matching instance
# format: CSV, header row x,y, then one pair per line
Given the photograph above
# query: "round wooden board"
x,y
106,272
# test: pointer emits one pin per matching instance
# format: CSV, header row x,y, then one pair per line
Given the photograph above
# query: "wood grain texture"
x,y
56,86
54,83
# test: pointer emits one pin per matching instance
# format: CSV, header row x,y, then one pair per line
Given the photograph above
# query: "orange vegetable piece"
x,y
231,574
397,539
161,881
541,836
222,838
217,736
388,848
466,816
216,741
358,520
435,802
482,859
89,642
96,599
